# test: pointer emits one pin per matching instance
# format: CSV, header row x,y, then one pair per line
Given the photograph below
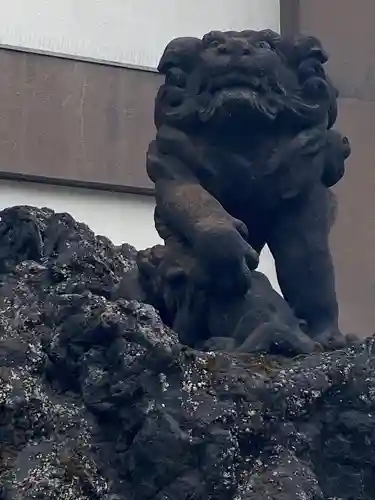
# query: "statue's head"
x,y
247,78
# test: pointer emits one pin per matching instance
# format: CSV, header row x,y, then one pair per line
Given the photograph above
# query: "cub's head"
x,y
245,79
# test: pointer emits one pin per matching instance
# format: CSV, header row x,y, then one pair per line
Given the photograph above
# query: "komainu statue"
x,y
245,156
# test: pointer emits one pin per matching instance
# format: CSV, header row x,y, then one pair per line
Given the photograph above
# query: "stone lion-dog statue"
x,y
244,156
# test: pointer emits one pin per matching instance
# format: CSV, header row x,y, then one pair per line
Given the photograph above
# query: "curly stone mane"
x,y
281,78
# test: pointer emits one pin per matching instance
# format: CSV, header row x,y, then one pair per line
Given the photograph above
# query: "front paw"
x,y
227,260
251,256
224,240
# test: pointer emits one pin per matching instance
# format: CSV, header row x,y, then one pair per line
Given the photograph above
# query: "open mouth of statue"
x,y
221,82
235,81
237,96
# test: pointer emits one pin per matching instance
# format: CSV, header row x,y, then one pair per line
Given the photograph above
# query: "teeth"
x,y
236,81
207,111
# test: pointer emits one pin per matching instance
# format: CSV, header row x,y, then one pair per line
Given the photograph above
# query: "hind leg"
x,y
299,243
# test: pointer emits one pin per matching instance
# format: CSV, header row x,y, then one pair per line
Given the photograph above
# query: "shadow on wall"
x,y
119,217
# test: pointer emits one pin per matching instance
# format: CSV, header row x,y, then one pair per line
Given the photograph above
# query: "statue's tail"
x,y
337,150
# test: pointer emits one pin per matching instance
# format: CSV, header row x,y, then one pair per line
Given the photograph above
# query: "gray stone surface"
x,y
99,400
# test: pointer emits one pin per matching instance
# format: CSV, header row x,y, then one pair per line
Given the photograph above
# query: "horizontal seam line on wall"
x,y
73,57
98,186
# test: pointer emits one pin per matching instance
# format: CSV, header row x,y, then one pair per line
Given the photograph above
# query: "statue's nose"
x,y
235,47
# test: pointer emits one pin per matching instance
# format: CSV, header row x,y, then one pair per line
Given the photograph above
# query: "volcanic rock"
x,y
99,399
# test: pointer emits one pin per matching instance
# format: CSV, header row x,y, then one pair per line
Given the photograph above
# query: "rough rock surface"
x,y
98,400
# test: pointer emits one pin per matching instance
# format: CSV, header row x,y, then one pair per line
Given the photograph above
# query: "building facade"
x,y
77,84
347,31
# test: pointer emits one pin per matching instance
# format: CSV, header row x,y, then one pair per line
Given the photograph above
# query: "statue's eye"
x,y
214,43
212,39
263,45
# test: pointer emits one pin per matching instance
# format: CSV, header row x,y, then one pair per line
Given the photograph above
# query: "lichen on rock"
x,y
99,400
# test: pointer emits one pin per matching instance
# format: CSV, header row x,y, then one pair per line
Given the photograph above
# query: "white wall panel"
x,y
120,217
129,32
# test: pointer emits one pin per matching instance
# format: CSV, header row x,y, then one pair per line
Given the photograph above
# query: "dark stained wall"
x,y
347,29
79,123
75,122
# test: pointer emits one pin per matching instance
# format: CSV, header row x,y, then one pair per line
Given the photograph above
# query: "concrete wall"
x,y
119,216
132,32
124,32
347,31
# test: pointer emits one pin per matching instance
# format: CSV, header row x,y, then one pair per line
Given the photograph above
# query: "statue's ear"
x,y
309,47
182,53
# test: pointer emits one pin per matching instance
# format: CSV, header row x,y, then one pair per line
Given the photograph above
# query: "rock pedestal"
x,y
99,400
